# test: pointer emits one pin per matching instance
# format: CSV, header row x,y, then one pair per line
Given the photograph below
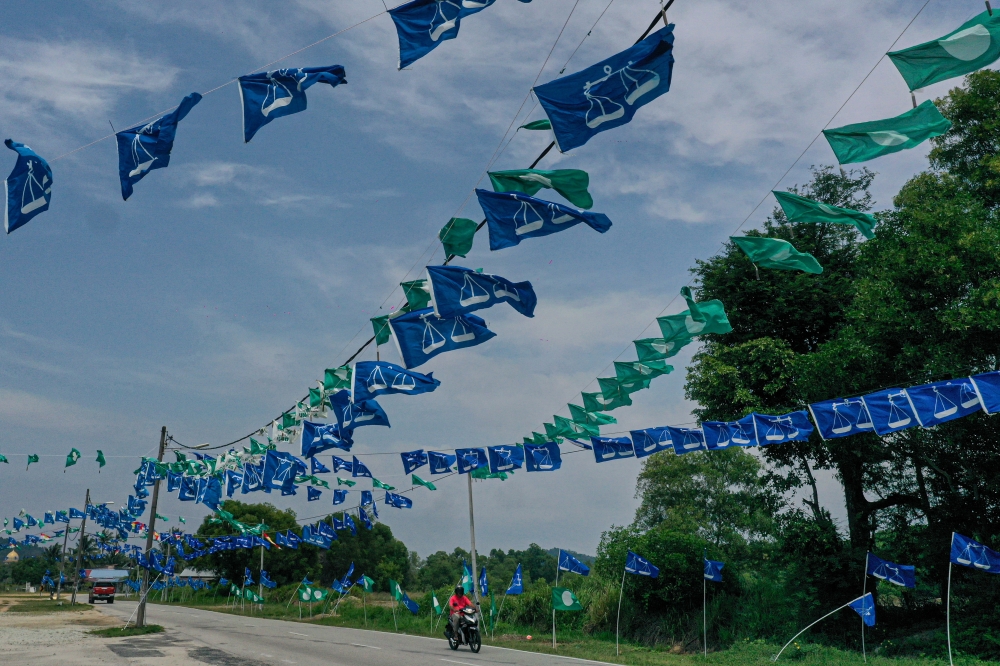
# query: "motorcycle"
x,y
468,631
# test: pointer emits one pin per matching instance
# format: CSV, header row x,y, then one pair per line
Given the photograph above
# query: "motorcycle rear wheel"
x,y
475,642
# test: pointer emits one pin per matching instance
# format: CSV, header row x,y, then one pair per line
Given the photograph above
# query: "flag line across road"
x,y
262,641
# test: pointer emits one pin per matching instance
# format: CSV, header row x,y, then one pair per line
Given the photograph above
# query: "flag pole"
x,y
553,607
704,614
864,591
947,612
364,605
816,622
618,621
472,533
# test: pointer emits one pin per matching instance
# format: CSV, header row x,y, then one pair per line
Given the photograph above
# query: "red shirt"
x,y
458,603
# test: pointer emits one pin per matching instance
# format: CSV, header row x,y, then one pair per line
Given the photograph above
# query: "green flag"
x,y
315,397
583,417
485,473
256,448
346,482
776,253
614,389
417,481
457,236
657,349
32,458
337,378
493,609
537,438
595,402
380,325
800,209
159,517
563,599
435,604
233,589
709,318
570,428
181,457
378,484
72,457
466,579
252,596
367,584
865,141
3,459
313,480
181,518
542,124
633,371
571,183
974,45
395,590
101,462
418,294
307,593
554,434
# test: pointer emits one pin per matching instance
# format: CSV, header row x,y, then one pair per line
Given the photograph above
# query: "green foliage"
x,y
378,546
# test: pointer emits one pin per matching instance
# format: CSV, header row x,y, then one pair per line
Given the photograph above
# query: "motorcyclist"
x,y
456,603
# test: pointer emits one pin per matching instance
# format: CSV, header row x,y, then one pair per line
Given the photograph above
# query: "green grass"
x,y
119,632
47,606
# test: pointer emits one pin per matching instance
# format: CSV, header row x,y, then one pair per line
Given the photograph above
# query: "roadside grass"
x,y
377,614
46,606
119,632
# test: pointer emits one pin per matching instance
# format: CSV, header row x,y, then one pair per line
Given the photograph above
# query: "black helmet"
x,y
459,591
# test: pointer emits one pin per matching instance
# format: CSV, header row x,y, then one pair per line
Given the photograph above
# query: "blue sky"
x,y
213,298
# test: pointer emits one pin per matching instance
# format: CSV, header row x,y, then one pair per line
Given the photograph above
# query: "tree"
x,y
375,552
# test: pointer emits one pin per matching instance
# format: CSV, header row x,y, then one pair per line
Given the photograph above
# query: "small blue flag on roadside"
x,y
266,581
903,575
247,576
146,147
516,583
713,570
28,188
372,378
865,607
608,94
456,291
569,563
970,553
410,604
339,496
484,586
640,566
281,92
512,216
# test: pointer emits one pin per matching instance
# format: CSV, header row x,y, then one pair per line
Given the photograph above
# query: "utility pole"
x,y
140,618
472,531
62,562
79,548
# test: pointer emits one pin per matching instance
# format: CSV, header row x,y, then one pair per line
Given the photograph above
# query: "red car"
x,y
103,591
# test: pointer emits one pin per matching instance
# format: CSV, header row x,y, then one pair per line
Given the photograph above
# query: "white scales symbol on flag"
x,y
34,195
277,101
634,84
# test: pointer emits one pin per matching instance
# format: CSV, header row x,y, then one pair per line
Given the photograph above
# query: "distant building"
x,y
12,557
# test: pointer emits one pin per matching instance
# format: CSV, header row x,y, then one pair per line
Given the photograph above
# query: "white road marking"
x,y
298,634
464,663
365,646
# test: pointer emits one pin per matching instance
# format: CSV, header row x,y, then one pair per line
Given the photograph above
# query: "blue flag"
x,y
319,437
372,378
640,566
612,448
470,459
513,216
366,498
413,460
253,478
341,464
188,490
266,580
28,187
440,462
542,457
358,468
484,585
651,440
713,570
972,554
234,480
421,335
410,604
903,575
569,563
865,607
608,94
351,415
458,291
316,467
314,538
146,147
504,458
791,427
280,470
247,576
292,539
988,387
354,530
516,583
722,435
339,496
74,514
944,401
423,24
364,518
398,501
686,440
314,494
841,417
281,92
890,411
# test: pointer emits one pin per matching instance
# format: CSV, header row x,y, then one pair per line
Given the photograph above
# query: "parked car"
x,y
104,591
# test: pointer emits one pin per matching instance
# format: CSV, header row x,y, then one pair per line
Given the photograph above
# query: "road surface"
x,y
235,640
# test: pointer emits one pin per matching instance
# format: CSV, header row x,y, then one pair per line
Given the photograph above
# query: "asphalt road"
x,y
234,640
